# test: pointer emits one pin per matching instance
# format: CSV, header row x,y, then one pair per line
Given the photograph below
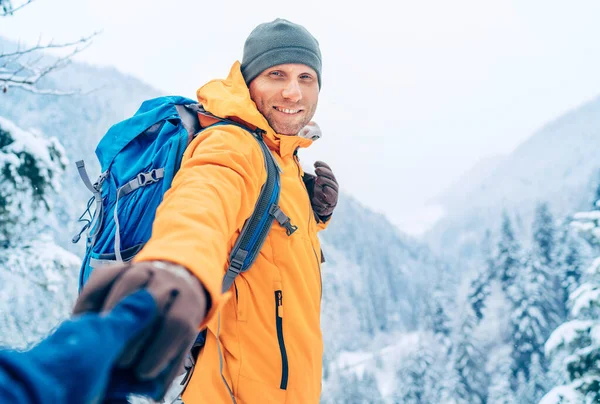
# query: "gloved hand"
x,y
156,357
323,190
73,365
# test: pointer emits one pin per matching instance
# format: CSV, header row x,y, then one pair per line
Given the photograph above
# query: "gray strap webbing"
x,y
282,219
118,228
84,176
96,190
189,119
234,269
104,259
95,262
278,214
221,360
141,180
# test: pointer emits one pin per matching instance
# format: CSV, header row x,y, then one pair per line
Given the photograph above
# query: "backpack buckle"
x,y
147,178
98,184
283,220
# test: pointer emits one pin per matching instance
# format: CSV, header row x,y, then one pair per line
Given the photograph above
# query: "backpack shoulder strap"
x,y
189,119
257,227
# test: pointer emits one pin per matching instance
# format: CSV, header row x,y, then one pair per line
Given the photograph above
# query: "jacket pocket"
x,y
241,297
279,326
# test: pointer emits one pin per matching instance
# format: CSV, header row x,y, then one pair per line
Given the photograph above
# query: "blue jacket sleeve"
x,y
74,364
21,382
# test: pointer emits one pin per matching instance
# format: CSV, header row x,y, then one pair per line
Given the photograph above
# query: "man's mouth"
x,y
287,110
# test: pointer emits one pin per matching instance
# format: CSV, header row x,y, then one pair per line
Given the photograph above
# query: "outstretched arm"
x,y
212,195
74,364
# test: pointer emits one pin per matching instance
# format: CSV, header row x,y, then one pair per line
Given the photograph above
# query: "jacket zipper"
x,y
279,324
311,213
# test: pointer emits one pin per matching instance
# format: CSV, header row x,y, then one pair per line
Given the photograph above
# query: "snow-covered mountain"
x,y
470,183
559,164
374,271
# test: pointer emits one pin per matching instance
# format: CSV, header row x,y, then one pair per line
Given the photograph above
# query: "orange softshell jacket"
x,y
269,322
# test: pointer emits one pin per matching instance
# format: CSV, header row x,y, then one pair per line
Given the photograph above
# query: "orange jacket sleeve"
x,y
212,195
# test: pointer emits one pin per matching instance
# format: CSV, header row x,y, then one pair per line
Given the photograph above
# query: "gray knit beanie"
x,y
279,42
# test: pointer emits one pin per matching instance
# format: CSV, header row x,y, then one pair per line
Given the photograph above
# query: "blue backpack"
x,y
139,158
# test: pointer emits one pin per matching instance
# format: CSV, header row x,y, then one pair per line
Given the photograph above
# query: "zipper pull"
x,y
282,219
279,303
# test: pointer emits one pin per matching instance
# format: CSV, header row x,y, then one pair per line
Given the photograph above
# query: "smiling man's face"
x,y
287,96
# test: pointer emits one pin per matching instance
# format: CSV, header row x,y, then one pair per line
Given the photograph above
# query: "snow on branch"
x,y
587,216
7,8
24,68
585,298
563,395
567,334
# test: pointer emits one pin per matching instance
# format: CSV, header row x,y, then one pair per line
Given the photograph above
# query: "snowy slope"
x,y
559,164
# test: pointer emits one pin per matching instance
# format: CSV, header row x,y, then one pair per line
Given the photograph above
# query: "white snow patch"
x,y
391,357
563,395
566,333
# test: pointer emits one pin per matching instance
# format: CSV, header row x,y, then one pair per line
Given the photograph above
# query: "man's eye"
x,y
275,73
306,77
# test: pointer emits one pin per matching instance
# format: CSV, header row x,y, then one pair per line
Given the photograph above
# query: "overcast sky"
x,y
414,92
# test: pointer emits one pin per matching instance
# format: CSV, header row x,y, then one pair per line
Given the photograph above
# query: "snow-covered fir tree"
x,y
469,363
531,390
545,247
440,377
544,235
436,317
480,289
418,377
508,256
499,368
535,313
31,167
569,264
369,389
480,286
349,386
577,342
43,277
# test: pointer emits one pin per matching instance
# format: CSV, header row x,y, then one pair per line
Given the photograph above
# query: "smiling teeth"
x,y
287,111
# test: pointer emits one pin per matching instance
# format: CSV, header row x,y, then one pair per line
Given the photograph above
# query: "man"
x,y
263,343
75,364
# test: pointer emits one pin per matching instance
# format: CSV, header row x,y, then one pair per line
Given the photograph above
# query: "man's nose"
x,y
292,91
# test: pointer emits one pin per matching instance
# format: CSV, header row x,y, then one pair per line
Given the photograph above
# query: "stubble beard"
x,y
290,128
